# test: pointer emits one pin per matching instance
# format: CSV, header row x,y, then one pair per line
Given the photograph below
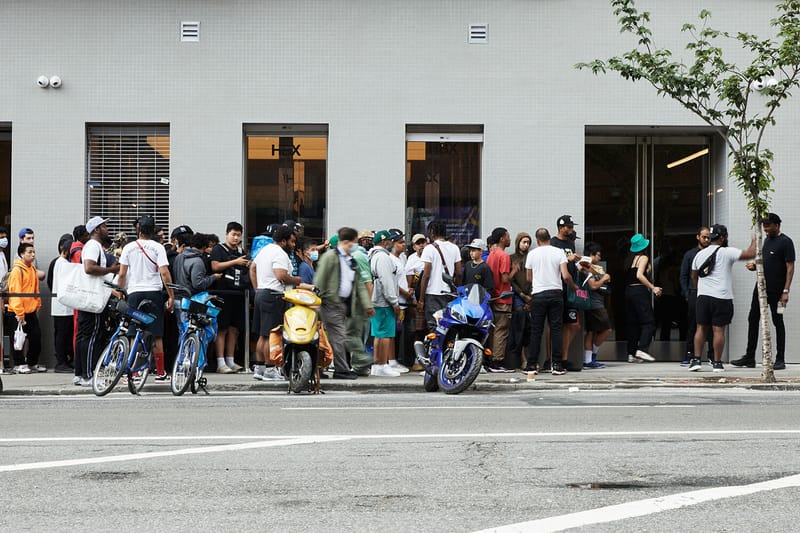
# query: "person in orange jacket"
x,y
24,279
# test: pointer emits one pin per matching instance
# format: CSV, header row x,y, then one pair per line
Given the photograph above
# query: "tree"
x,y
739,101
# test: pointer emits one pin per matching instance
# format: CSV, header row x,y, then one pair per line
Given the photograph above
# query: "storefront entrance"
x,y
660,187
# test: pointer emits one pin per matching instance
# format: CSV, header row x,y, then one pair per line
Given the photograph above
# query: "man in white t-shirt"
x,y
90,338
270,275
545,268
144,270
440,257
715,292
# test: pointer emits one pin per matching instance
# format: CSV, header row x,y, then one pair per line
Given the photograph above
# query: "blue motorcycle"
x,y
453,354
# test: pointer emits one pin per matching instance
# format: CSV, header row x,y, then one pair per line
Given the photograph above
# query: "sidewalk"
x,y
617,375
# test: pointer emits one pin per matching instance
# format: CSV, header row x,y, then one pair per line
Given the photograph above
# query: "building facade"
x,y
368,114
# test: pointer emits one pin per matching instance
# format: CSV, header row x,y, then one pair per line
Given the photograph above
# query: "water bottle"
x,y
781,308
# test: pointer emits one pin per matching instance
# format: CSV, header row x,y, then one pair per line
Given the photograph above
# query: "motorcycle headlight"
x,y
456,314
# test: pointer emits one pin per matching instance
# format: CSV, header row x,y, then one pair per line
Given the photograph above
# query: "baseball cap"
x,y
365,234
382,235
565,220
333,241
94,223
418,237
272,228
477,244
717,231
396,234
585,259
24,231
296,226
771,218
181,230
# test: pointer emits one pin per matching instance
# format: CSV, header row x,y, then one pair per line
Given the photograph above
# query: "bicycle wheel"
x,y
110,366
183,372
136,379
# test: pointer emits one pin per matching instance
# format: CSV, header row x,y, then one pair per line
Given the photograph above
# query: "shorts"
x,y
156,328
232,312
597,320
571,316
383,323
714,311
268,314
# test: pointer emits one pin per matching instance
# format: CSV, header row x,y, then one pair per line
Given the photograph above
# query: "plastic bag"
x,y
19,338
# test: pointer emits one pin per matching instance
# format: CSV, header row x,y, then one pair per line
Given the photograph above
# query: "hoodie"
x,y
519,282
23,279
384,272
190,271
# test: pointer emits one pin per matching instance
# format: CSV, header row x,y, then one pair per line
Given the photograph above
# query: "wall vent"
x,y
190,32
478,34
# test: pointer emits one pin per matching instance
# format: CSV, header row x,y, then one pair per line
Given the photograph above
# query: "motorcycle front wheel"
x,y
458,373
300,372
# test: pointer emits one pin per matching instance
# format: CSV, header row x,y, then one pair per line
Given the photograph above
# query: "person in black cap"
x,y
778,255
565,239
712,275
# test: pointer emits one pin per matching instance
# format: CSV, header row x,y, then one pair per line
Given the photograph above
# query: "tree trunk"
x,y
767,371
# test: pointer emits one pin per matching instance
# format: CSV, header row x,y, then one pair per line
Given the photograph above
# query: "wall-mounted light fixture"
x,y
53,81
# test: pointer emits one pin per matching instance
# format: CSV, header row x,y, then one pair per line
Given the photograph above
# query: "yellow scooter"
x,y
301,340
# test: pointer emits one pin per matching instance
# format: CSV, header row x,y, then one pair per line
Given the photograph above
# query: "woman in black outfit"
x,y
641,322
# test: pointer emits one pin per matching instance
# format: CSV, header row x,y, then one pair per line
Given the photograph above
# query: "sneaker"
x,y
597,363
21,369
497,368
272,374
779,365
417,367
76,380
634,359
384,371
39,368
695,365
164,378
397,367
235,367
557,369
644,356
593,364
224,369
85,382
717,366
687,360
745,361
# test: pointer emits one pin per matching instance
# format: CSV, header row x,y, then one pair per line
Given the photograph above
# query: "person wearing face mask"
x,y
308,255
343,295
3,247
270,275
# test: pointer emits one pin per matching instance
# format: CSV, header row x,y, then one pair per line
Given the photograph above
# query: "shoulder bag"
x,y
446,276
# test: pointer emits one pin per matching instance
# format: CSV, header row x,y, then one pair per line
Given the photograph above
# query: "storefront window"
x,y
443,181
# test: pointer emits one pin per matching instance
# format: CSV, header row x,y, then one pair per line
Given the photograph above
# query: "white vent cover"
x,y
190,32
478,33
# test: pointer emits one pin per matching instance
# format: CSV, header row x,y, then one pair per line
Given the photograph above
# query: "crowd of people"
x,y
380,292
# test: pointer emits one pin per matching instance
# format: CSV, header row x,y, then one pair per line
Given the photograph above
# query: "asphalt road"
x,y
635,460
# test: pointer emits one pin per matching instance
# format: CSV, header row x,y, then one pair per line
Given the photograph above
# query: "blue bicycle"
x,y
130,350
198,325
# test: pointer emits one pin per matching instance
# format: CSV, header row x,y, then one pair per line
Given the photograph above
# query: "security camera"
x,y
42,82
55,82
757,85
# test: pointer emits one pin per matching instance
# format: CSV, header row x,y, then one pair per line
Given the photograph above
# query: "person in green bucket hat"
x,y
640,320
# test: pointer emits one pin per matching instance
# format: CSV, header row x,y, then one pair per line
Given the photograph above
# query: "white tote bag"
x,y
19,338
79,290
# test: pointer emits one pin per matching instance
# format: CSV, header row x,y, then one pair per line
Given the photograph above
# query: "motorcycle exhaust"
x,y
422,355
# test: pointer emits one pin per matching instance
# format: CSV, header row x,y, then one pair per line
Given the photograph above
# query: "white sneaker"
x,y
384,371
85,382
397,367
224,369
39,368
22,369
272,374
634,359
76,380
644,356
235,367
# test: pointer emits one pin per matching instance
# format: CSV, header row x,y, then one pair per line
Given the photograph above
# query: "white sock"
x,y
595,348
220,362
587,356
229,361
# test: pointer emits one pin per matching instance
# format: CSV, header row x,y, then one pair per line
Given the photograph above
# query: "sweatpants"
x,y
641,322
34,340
89,343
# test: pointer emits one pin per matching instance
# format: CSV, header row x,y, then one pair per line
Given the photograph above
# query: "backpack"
x,y
4,281
259,241
708,265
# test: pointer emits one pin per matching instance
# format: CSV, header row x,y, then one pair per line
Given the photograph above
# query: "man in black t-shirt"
x,y
778,257
571,325
229,259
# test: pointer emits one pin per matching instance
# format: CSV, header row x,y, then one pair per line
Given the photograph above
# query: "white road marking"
x,y
168,453
499,407
649,506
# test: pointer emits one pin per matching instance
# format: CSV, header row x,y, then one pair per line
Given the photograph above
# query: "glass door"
x,y
657,186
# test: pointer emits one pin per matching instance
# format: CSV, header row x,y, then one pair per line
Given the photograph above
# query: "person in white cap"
x,y
476,270
90,338
597,322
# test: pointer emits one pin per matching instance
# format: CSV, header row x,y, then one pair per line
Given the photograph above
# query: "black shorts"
x,y
597,320
714,311
232,312
156,328
268,313
571,316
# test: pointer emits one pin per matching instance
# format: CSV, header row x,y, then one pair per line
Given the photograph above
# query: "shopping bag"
x,y
79,290
276,346
19,337
579,299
